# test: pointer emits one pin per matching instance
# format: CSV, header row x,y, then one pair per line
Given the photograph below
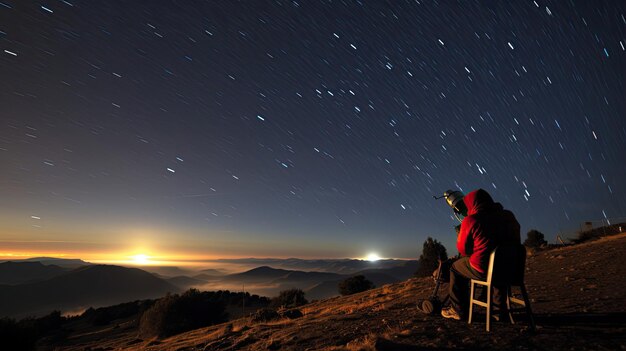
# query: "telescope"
x,y
454,198
432,305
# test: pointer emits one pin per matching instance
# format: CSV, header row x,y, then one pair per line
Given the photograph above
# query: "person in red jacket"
x,y
486,226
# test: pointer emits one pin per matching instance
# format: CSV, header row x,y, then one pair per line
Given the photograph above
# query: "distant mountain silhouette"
x,y
95,285
185,282
262,274
212,272
400,272
166,271
13,273
299,277
61,262
341,266
206,277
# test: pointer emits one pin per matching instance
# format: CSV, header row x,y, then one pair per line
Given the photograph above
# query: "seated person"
x,y
486,226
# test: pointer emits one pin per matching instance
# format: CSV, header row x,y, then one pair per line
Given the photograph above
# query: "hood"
x,y
479,201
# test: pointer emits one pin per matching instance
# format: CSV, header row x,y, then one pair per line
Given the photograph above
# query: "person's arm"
x,y
464,241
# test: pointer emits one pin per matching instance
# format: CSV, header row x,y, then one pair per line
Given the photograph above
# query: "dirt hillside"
x,y
578,296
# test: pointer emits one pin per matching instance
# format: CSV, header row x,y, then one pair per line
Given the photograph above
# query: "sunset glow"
x,y
141,259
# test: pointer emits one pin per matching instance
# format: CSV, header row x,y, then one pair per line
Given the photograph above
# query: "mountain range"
x,y
37,286
340,266
61,262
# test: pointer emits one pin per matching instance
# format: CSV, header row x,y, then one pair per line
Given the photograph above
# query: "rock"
x,y
265,315
291,314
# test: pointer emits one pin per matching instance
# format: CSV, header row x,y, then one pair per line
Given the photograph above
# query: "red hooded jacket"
x,y
486,226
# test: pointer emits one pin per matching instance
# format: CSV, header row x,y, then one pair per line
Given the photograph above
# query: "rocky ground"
x,y
578,295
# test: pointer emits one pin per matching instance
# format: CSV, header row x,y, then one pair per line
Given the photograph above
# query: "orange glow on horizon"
x,y
23,255
140,254
134,257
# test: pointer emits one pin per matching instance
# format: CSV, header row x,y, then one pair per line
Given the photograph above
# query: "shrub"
x,y
175,314
535,239
355,285
289,298
432,252
23,335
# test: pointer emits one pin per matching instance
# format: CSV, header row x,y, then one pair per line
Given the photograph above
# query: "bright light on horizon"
x,y
373,257
141,259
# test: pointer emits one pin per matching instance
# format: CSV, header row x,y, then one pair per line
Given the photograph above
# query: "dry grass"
x,y
365,343
388,289
282,321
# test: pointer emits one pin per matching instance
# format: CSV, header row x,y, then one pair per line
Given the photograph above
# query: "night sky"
x,y
302,128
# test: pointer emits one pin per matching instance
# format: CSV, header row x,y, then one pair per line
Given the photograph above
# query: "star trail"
x,y
303,128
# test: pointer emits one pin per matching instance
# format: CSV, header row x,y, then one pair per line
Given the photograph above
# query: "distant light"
x,y
141,259
373,257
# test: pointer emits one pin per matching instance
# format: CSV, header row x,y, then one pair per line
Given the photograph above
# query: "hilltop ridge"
x,y
577,294
93,285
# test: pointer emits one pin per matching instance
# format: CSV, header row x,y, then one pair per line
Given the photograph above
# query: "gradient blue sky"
x,y
310,129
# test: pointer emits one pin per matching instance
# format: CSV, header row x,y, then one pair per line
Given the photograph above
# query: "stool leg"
x,y
508,303
471,306
489,306
527,305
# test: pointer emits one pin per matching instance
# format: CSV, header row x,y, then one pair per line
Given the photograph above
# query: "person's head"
x,y
478,201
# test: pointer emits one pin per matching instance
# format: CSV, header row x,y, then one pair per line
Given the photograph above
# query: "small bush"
x,y
535,239
105,315
16,337
355,285
432,252
289,299
599,232
291,313
175,314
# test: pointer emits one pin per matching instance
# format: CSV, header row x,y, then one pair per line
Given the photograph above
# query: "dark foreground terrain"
x,y
578,294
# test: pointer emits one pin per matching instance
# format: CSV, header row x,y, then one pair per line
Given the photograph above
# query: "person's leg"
x,y
460,274
499,298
